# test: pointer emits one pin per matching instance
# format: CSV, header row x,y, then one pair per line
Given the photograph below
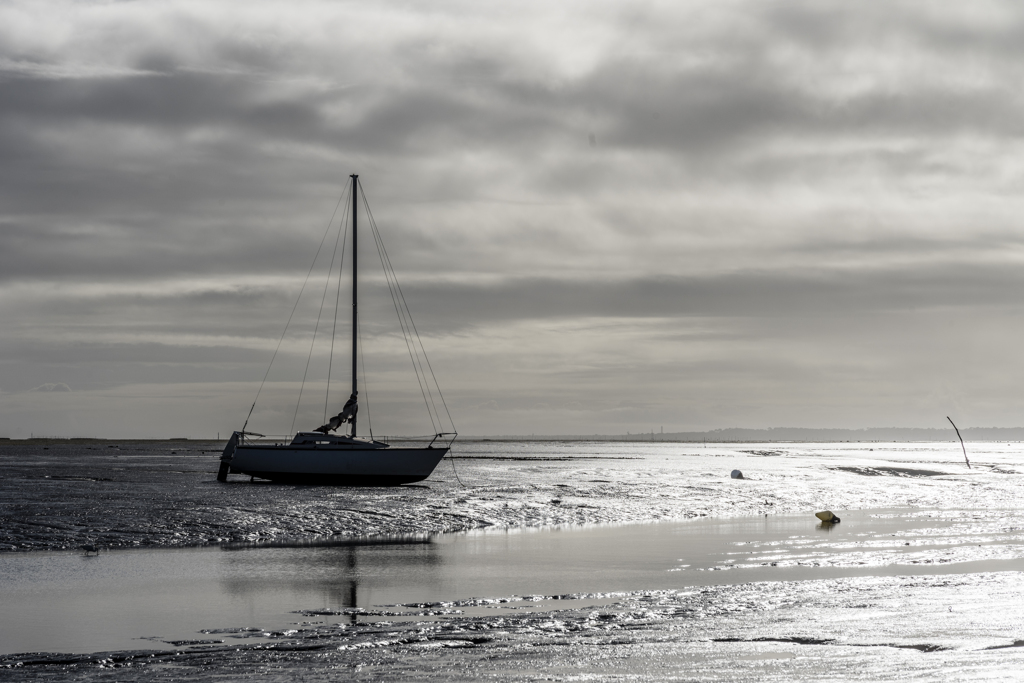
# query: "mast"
x,y
355,285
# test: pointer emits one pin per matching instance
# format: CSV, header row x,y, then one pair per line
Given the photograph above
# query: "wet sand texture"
x,y
159,494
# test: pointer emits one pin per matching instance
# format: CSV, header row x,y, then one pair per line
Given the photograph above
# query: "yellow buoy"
x,y
826,516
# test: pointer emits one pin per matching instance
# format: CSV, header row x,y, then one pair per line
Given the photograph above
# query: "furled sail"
x,y
347,414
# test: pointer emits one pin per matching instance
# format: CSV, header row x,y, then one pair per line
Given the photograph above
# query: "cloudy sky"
x,y
606,216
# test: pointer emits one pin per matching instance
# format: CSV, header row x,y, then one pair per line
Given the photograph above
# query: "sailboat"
x,y
322,457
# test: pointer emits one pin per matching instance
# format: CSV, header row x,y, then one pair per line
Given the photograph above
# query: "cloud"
x,y
60,386
764,173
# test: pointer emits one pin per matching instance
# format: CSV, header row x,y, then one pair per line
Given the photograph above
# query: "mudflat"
x,y
604,560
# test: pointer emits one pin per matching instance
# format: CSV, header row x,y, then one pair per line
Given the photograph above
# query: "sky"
x,y
607,217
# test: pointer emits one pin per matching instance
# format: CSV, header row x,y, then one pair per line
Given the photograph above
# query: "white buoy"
x,y
736,474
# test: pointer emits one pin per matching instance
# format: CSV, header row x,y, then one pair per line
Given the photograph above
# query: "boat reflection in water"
x,y
346,574
63,602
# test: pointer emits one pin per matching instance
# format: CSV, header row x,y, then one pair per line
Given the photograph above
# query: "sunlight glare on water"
x,y
150,598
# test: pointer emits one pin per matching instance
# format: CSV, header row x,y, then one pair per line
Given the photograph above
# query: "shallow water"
x,y
122,600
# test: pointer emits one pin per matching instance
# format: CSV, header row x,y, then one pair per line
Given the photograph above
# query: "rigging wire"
x,y
399,313
316,328
384,256
403,323
412,324
404,317
451,456
294,306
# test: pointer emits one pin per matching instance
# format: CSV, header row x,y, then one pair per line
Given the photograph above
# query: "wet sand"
x,y
762,600
890,628
59,495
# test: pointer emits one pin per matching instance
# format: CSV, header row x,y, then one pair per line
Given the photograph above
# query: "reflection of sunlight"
x,y
600,537
417,578
922,540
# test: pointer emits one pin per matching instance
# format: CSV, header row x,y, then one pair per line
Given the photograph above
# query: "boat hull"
x,y
334,466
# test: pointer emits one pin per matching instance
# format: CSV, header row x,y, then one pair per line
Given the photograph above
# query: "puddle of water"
x,y
140,599
757,656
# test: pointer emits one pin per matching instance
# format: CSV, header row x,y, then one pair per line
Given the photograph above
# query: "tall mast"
x,y
355,285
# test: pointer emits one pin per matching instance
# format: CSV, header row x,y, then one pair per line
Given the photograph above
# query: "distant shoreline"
x,y
731,435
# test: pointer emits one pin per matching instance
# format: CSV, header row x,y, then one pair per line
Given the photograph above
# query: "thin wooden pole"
x,y
961,441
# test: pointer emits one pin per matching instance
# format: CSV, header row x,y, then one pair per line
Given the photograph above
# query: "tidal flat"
x,y
569,560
